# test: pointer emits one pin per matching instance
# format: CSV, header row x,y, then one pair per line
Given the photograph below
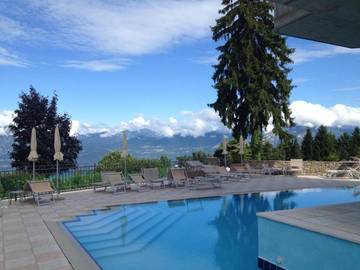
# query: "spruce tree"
x,y
295,150
307,145
355,142
324,147
256,145
344,144
41,112
251,76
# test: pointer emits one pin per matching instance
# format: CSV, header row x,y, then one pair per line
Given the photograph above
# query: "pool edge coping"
x,y
78,258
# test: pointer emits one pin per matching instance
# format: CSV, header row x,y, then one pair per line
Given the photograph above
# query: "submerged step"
x,y
140,243
103,221
128,238
117,230
110,227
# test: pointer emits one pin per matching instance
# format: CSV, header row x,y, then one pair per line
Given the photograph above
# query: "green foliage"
x,y
344,144
115,162
324,145
256,145
307,146
355,142
41,112
251,76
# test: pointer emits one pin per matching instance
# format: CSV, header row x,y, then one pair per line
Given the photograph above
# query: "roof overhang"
x,y
330,21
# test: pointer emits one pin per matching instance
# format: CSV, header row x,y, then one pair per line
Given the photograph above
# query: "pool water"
x,y
198,234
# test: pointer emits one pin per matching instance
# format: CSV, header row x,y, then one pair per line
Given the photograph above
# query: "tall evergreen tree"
x,y
256,145
251,76
307,146
355,142
295,150
344,145
324,147
41,112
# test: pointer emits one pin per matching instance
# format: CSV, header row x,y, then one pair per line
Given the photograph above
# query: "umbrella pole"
x,y
33,170
125,167
57,177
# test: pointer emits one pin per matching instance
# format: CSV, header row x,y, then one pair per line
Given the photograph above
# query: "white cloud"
x,y
347,89
300,80
6,118
310,114
192,124
312,53
126,27
11,30
206,60
197,123
98,65
10,59
75,127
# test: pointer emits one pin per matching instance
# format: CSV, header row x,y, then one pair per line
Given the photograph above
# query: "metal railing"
x,y
70,178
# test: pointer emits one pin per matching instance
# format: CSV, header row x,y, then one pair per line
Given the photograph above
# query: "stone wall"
x,y
318,168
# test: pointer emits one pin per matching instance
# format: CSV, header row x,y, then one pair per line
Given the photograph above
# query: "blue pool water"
x,y
199,234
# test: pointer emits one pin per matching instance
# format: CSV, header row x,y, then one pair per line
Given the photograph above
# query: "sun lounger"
x,y
104,182
208,177
138,182
296,166
178,177
152,177
39,189
116,181
251,170
349,172
271,170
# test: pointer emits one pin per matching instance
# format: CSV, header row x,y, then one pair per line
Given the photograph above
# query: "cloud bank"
x,y
112,27
302,55
198,123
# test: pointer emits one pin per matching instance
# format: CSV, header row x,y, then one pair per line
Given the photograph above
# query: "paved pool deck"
x,y
341,221
27,243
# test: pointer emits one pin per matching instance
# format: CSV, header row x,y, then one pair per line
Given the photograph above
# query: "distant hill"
x,y
146,144
149,144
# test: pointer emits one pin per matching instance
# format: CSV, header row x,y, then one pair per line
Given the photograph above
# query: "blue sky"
x,y
148,62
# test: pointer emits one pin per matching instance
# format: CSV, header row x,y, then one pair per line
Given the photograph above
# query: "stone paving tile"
x,y
20,261
54,264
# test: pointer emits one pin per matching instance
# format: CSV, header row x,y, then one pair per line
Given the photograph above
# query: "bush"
x,y
115,162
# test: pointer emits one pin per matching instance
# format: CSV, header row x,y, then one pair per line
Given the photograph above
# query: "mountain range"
x,y
146,143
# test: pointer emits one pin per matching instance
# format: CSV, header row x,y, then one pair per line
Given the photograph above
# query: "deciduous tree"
x,y
35,110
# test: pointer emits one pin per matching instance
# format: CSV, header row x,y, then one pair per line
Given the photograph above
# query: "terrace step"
x,y
138,242
112,233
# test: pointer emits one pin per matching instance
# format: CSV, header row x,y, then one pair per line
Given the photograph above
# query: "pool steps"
x,y
139,242
111,233
122,231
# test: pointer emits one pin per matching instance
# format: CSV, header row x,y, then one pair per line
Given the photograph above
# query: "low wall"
x,y
318,168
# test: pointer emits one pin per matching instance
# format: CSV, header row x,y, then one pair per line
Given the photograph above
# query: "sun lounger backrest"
x,y
178,174
104,176
115,178
137,178
209,169
150,173
39,186
296,163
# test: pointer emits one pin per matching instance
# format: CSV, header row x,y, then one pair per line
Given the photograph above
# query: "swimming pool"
x,y
212,233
